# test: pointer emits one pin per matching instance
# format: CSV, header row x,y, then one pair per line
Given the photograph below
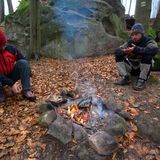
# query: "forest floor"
x,y
19,130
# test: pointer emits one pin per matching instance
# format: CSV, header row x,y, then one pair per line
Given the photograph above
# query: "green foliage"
x,y
157,62
21,10
23,5
119,26
151,32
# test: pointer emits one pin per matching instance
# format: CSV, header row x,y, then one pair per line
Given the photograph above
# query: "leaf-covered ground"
x,y
19,130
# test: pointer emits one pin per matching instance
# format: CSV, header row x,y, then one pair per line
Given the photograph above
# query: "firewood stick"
x,y
83,125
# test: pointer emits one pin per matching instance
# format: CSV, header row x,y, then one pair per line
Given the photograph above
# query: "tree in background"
x,y
157,20
34,28
142,12
1,11
130,3
10,6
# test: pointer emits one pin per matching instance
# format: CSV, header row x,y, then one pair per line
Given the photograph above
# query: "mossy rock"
x,y
53,32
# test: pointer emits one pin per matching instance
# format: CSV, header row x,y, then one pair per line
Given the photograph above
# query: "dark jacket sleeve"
x,y
150,49
14,50
5,80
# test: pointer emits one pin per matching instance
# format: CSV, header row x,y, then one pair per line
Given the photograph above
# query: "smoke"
x,y
72,16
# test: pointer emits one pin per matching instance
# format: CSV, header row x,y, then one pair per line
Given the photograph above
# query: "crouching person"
x,y
136,56
14,67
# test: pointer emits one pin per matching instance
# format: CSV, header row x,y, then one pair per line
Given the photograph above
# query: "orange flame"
x,y
74,112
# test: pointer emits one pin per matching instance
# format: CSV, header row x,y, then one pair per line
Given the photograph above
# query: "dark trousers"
x,y
21,72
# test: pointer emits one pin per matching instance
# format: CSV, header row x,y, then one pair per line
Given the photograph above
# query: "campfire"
x,y
85,119
75,113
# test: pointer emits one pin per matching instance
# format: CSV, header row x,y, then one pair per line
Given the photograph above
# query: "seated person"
x,y
136,56
13,67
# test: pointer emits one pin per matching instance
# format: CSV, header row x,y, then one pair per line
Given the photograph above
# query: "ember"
x,y
75,113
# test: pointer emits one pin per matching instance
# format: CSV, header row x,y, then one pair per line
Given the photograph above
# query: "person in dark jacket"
x,y
135,56
14,67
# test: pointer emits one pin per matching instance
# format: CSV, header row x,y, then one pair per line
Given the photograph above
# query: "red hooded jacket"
x,y
8,56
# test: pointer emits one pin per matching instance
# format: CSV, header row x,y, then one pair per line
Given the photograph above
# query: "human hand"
x,y
16,88
129,50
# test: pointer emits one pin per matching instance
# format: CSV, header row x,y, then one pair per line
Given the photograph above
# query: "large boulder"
x,y
71,28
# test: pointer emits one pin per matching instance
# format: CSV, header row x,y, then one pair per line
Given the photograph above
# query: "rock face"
x,y
71,28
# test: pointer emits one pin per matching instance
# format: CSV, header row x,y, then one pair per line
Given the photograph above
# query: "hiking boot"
x,y
2,96
140,85
123,81
28,95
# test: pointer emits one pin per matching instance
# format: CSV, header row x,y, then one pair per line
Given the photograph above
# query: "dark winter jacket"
x,y
144,47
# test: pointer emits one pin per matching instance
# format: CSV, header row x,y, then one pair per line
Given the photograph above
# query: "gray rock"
x,y
44,107
148,127
112,105
47,118
79,133
115,125
103,143
86,152
125,115
61,130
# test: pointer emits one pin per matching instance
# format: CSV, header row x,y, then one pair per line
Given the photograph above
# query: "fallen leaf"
x,y
21,138
1,110
2,139
133,127
31,144
141,149
13,132
146,112
131,135
114,156
134,112
9,144
126,104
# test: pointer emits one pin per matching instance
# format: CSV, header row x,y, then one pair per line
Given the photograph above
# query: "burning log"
x,y
82,124
72,95
77,114
85,102
58,103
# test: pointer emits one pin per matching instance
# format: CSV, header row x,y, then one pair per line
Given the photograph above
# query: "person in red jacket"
x,y
14,67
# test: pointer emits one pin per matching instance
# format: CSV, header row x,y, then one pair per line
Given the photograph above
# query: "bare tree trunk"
x,y
125,3
10,6
143,10
157,20
129,7
1,11
34,29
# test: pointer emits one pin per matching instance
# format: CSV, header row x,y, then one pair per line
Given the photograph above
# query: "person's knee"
x,y
118,51
147,59
119,55
22,63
